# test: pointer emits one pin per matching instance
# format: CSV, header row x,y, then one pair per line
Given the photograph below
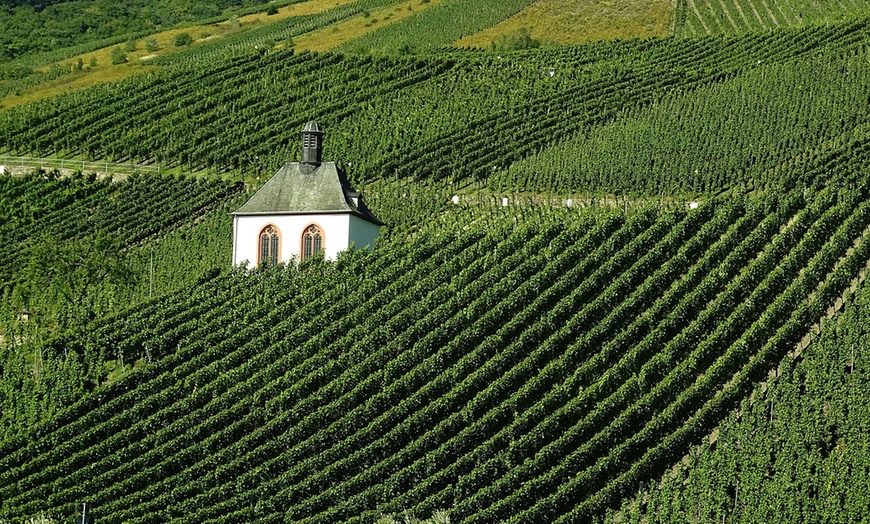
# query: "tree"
x,y
78,279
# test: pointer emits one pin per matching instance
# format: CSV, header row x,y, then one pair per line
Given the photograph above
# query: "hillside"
x,y
603,329
535,371
795,451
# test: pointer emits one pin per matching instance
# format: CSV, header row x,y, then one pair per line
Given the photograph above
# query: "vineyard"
x,y
598,263
78,248
778,133
531,372
812,416
69,209
705,17
448,117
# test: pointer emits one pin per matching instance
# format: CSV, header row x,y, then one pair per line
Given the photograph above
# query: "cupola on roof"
x,y
305,208
312,143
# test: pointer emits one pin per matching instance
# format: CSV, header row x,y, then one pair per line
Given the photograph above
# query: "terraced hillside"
x,y
451,118
532,361
77,248
704,17
809,416
529,369
68,46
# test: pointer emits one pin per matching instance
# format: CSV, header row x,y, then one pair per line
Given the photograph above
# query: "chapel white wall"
x,y
336,231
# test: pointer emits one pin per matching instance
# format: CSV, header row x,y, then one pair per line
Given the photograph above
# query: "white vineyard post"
x,y
151,274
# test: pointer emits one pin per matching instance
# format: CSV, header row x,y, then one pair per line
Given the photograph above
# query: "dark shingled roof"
x,y
299,188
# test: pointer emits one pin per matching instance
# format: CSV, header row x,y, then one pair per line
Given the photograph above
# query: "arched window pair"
x,y
270,243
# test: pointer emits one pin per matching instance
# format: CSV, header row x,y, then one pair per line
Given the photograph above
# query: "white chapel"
x,y
305,209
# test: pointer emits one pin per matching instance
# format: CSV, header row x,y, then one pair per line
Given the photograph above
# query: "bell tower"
x,y
312,143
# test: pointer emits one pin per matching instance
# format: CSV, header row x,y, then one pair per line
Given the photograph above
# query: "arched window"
x,y
269,245
312,241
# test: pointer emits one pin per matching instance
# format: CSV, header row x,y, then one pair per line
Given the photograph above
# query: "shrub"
x,y
151,44
183,39
119,56
522,39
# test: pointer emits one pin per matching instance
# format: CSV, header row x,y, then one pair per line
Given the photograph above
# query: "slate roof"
x,y
299,188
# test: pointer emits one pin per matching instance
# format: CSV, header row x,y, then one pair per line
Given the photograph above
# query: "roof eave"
x,y
368,218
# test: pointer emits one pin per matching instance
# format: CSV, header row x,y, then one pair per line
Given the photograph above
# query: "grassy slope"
x,y
342,33
431,29
138,60
572,22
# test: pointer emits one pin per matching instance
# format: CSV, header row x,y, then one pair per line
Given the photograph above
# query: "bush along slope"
x,y
523,367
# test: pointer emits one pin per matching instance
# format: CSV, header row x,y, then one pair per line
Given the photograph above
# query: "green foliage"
x,y
183,39
82,278
768,128
434,27
70,244
151,45
481,118
526,362
15,72
522,39
119,56
801,434
253,40
439,517
738,16
28,31
65,272
41,519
